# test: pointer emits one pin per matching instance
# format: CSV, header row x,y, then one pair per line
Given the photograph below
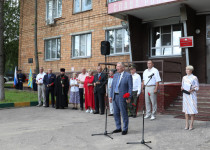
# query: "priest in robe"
x,y
61,90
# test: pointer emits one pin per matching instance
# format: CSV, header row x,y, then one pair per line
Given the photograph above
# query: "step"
x,y
200,104
175,108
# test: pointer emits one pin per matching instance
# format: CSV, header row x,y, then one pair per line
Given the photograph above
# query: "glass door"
x,y
208,47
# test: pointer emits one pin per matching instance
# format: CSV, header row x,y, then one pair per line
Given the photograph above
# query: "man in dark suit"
x,y
122,83
49,82
20,78
99,90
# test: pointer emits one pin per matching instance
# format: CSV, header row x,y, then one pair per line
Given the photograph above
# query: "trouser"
x,y
20,85
41,94
120,107
48,92
81,94
111,109
132,106
99,101
150,97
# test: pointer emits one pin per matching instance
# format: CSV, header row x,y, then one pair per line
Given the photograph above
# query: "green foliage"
x,y
11,33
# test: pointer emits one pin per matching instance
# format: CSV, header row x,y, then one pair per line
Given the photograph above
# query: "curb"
x,y
18,104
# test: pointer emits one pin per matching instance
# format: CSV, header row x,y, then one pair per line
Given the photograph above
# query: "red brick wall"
x,y
167,94
95,19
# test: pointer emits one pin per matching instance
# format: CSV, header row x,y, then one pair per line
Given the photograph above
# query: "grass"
x,y
12,96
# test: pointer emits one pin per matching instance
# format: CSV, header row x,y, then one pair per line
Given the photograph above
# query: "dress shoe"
x,y
46,106
130,115
124,132
96,112
117,131
134,116
110,115
53,106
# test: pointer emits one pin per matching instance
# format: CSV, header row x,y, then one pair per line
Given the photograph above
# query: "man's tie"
x,y
117,85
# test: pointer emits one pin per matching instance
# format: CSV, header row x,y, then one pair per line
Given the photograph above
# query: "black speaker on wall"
x,y
105,48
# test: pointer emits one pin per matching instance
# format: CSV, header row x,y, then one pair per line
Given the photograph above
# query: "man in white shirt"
x,y
81,80
151,89
41,87
132,106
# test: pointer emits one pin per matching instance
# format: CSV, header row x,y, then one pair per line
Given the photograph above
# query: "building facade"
x,y
70,34
155,27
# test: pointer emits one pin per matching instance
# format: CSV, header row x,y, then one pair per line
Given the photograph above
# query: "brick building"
x,y
69,34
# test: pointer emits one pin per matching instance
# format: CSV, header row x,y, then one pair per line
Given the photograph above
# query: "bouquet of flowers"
x,y
126,95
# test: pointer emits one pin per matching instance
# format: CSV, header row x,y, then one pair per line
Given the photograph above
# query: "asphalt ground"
x,y
34,128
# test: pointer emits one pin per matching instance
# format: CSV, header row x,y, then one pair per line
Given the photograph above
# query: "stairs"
x,y
203,105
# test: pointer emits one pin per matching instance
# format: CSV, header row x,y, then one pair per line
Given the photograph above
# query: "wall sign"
x,y
186,42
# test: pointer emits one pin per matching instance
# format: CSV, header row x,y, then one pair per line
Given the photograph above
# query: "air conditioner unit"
x,y
50,22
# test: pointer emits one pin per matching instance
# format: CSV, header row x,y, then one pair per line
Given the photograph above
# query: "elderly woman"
x,y
189,87
74,91
89,92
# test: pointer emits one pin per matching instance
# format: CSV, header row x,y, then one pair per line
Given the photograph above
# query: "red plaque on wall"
x,y
186,42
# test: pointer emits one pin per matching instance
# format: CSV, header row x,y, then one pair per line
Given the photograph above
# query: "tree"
x,y
11,33
2,94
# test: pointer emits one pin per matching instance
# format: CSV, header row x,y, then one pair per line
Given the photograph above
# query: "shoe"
x,y
101,113
152,118
110,115
91,111
186,128
117,131
88,111
73,107
124,132
130,115
96,112
134,116
191,129
39,105
46,106
81,109
53,106
147,116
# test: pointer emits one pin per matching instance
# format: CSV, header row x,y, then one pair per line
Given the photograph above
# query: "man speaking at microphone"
x,y
151,89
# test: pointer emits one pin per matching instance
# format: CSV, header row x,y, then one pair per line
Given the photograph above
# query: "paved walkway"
x,y
35,128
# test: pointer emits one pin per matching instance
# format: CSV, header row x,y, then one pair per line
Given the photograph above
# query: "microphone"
x,y
151,75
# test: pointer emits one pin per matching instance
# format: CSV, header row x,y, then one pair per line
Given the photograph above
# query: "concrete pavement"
x,y
33,128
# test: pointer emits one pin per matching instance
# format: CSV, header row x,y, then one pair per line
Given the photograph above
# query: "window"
x,y
82,5
110,1
165,40
54,10
81,45
119,42
52,49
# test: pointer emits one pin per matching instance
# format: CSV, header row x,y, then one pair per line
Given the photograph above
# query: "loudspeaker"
x,y
105,48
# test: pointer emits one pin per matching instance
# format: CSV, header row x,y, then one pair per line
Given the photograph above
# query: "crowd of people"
x,y
94,88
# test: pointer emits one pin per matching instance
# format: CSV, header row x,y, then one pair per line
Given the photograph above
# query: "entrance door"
x,y
208,47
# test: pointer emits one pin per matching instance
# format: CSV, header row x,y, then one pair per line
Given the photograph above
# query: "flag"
x,y
15,77
30,79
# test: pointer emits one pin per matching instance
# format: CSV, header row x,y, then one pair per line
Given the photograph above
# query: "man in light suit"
x,y
122,83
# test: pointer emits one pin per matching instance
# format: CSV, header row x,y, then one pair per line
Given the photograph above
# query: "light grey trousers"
x,y
41,94
150,97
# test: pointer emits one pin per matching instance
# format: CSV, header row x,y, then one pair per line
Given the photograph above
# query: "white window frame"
x,y
73,45
48,39
171,46
47,10
123,40
80,7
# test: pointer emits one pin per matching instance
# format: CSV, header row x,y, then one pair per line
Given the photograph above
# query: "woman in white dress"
x,y
189,87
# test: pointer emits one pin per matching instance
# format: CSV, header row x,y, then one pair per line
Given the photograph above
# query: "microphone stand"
x,y
105,132
142,141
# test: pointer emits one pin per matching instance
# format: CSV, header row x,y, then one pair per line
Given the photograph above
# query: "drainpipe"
x,y
129,38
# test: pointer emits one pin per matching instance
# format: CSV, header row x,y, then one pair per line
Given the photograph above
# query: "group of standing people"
x,y
115,85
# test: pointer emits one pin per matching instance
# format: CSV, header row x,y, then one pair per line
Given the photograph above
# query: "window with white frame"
x,y
54,10
52,49
165,40
82,5
119,41
81,45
